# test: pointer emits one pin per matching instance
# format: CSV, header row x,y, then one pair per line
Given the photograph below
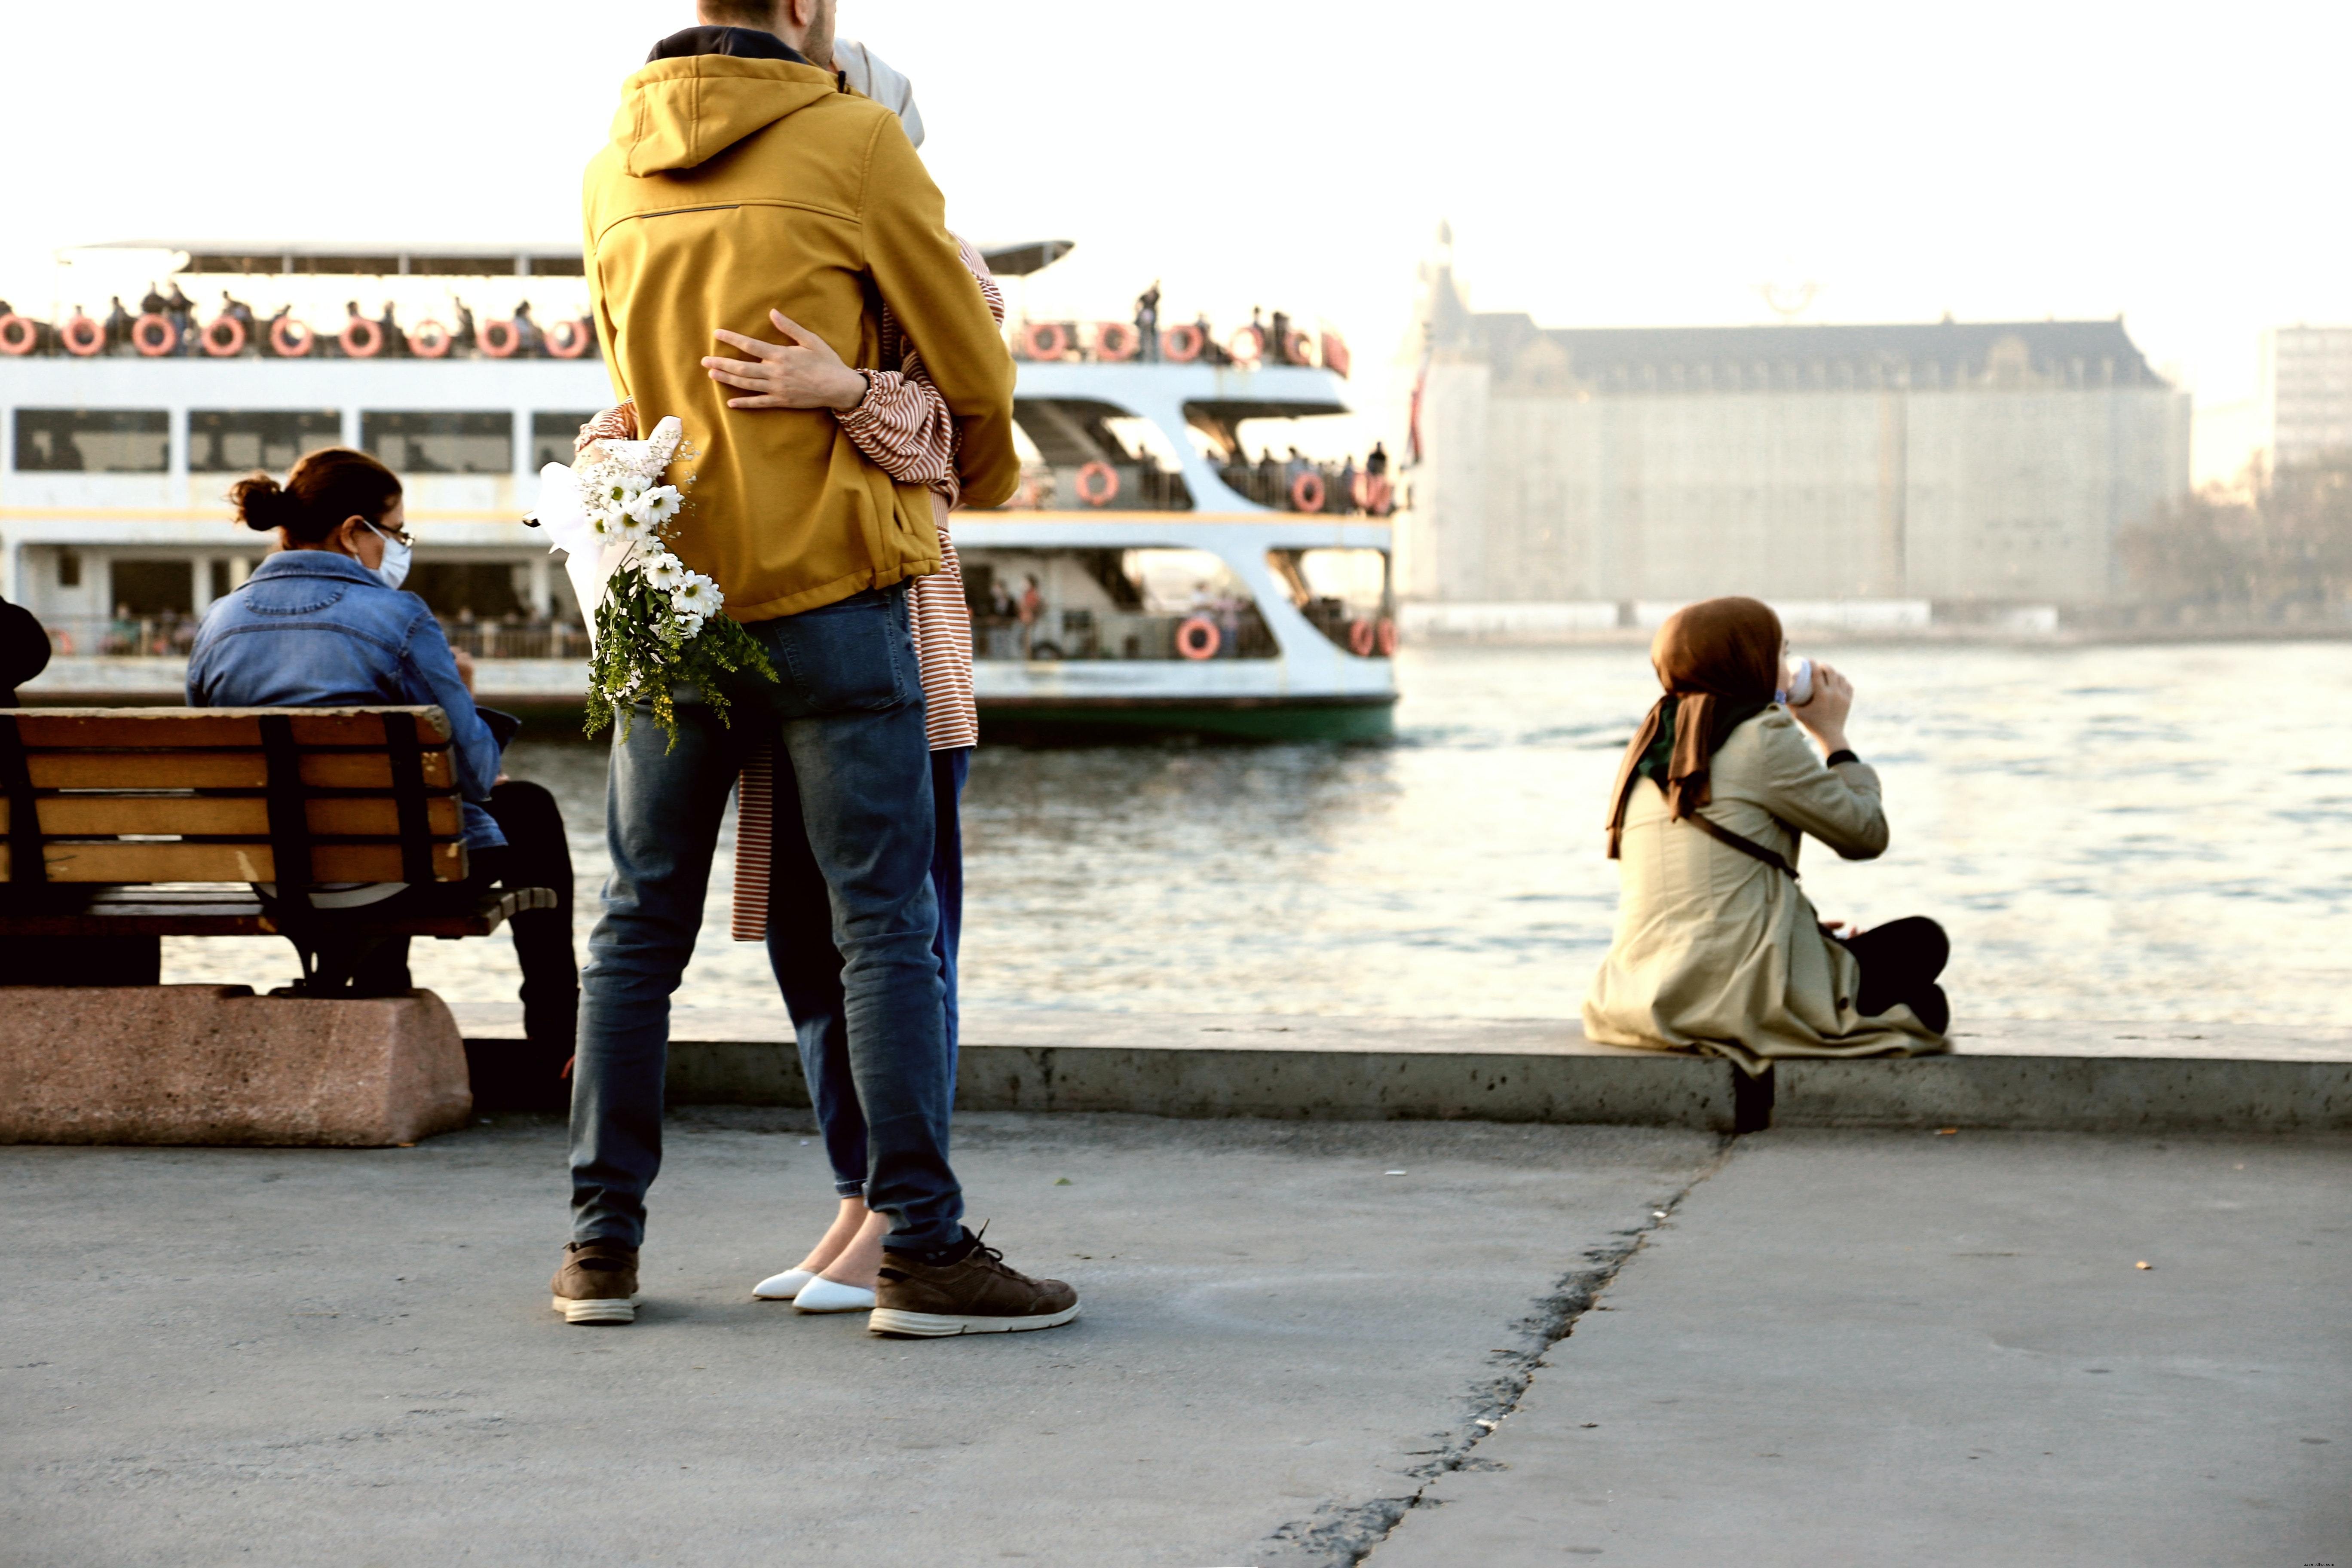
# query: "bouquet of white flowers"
x,y
654,624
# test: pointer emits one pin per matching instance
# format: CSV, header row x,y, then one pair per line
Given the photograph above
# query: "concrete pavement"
x,y
308,1356
1865,1348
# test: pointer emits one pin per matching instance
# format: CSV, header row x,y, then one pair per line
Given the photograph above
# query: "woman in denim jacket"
x,y
322,624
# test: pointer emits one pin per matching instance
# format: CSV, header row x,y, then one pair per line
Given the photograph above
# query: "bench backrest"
x,y
300,795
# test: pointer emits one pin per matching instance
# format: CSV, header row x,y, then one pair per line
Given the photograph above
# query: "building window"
x,y
93,440
552,436
230,441
69,569
438,443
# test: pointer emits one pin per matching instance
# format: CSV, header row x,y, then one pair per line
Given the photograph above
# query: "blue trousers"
x,y
848,721
809,967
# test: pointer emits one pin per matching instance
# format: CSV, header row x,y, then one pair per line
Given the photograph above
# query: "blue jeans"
x,y
848,719
808,967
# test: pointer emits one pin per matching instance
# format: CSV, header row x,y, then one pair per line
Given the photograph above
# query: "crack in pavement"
x,y
1340,1536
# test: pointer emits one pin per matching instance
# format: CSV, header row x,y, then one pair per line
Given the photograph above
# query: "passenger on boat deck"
x,y
321,624
1146,322
1716,948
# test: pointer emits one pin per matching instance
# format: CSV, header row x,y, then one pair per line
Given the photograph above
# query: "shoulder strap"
x,y
1722,834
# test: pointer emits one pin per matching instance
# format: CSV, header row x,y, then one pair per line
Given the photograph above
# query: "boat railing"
x,y
1339,490
236,333
168,633
1255,344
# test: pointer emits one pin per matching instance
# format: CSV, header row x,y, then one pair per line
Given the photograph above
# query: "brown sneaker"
x,y
597,1284
976,1293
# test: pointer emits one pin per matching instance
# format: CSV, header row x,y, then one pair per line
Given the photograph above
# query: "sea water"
x,y
2126,832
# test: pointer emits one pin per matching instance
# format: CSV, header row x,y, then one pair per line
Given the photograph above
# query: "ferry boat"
x,y
1148,577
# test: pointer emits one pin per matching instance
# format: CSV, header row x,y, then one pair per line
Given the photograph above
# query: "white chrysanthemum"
x,y
656,506
664,571
606,524
696,594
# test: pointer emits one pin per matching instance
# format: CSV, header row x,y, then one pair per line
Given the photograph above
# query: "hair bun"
x,y
263,504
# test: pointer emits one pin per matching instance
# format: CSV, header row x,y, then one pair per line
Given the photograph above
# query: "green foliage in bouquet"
x,y
646,649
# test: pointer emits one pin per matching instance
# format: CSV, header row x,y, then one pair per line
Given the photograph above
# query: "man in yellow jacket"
x,y
742,178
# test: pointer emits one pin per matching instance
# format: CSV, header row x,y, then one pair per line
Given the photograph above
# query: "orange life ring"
x,y
291,339
1045,340
1360,637
361,338
224,336
1385,636
569,340
81,336
1182,344
499,339
1306,492
1298,348
1336,357
1248,345
1115,341
18,336
1109,478
145,338
1198,637
1371,492
428,340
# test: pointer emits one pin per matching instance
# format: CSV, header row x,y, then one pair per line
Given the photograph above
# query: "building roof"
x,y
1795,357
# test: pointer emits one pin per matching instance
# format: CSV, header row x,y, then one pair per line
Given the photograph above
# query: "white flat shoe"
x,y
823,1294
784,1287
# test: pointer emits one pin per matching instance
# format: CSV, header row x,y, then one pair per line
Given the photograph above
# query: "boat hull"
x,y
1063,720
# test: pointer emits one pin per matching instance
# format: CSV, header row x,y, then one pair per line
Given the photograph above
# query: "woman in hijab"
x,y
1716,948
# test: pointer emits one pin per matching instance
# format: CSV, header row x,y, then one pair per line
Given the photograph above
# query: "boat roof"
x,y
381,258
540,258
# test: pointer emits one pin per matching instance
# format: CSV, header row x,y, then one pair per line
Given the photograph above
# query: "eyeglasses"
x,y
397,535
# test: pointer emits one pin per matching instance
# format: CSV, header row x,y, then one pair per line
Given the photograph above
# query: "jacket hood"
x,y
678,113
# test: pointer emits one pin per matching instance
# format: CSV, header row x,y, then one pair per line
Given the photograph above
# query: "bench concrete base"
x,y
216,1064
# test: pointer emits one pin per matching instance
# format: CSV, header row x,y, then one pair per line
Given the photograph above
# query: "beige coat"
x,y
1716,951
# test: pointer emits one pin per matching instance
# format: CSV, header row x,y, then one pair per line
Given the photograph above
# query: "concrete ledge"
x,y
2074,1094
216,1064
2079,1077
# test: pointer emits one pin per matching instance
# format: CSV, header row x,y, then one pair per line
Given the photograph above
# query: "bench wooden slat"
x,y
235,911
69,862
247,816
157,728
223,770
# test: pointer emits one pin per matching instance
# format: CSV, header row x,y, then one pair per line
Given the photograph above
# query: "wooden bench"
x,y
128,825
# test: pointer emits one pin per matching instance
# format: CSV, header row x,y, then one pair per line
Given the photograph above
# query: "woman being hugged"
x,y
1716,948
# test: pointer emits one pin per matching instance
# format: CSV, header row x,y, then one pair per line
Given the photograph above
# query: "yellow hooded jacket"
x,y
731,185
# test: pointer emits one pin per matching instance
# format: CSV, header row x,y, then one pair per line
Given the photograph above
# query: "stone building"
x,y
1953,462
2307,393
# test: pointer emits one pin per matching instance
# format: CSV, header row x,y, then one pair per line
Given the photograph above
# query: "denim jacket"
x,y
314,630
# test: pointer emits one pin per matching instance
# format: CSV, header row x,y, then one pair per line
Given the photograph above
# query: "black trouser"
x,y
1900,961
536,855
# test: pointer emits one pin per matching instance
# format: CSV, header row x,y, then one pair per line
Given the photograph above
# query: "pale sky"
x,y
1600,165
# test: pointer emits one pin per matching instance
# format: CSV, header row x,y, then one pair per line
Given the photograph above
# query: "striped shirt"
x,y
904,428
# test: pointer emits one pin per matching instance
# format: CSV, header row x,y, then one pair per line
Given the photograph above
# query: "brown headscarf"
x,y
1719,660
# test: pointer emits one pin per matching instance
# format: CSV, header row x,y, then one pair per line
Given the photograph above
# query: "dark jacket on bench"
x,y
314,630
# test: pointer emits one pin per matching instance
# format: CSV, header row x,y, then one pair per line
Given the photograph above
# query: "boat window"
x,y
93,440
1096,457
231,441
1343,593
152,587
438,443
552,436
1048,605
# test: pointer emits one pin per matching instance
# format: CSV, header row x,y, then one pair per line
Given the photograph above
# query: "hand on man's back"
x,y
802,373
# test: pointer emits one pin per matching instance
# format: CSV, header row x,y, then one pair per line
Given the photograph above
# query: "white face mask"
x,y
395,570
